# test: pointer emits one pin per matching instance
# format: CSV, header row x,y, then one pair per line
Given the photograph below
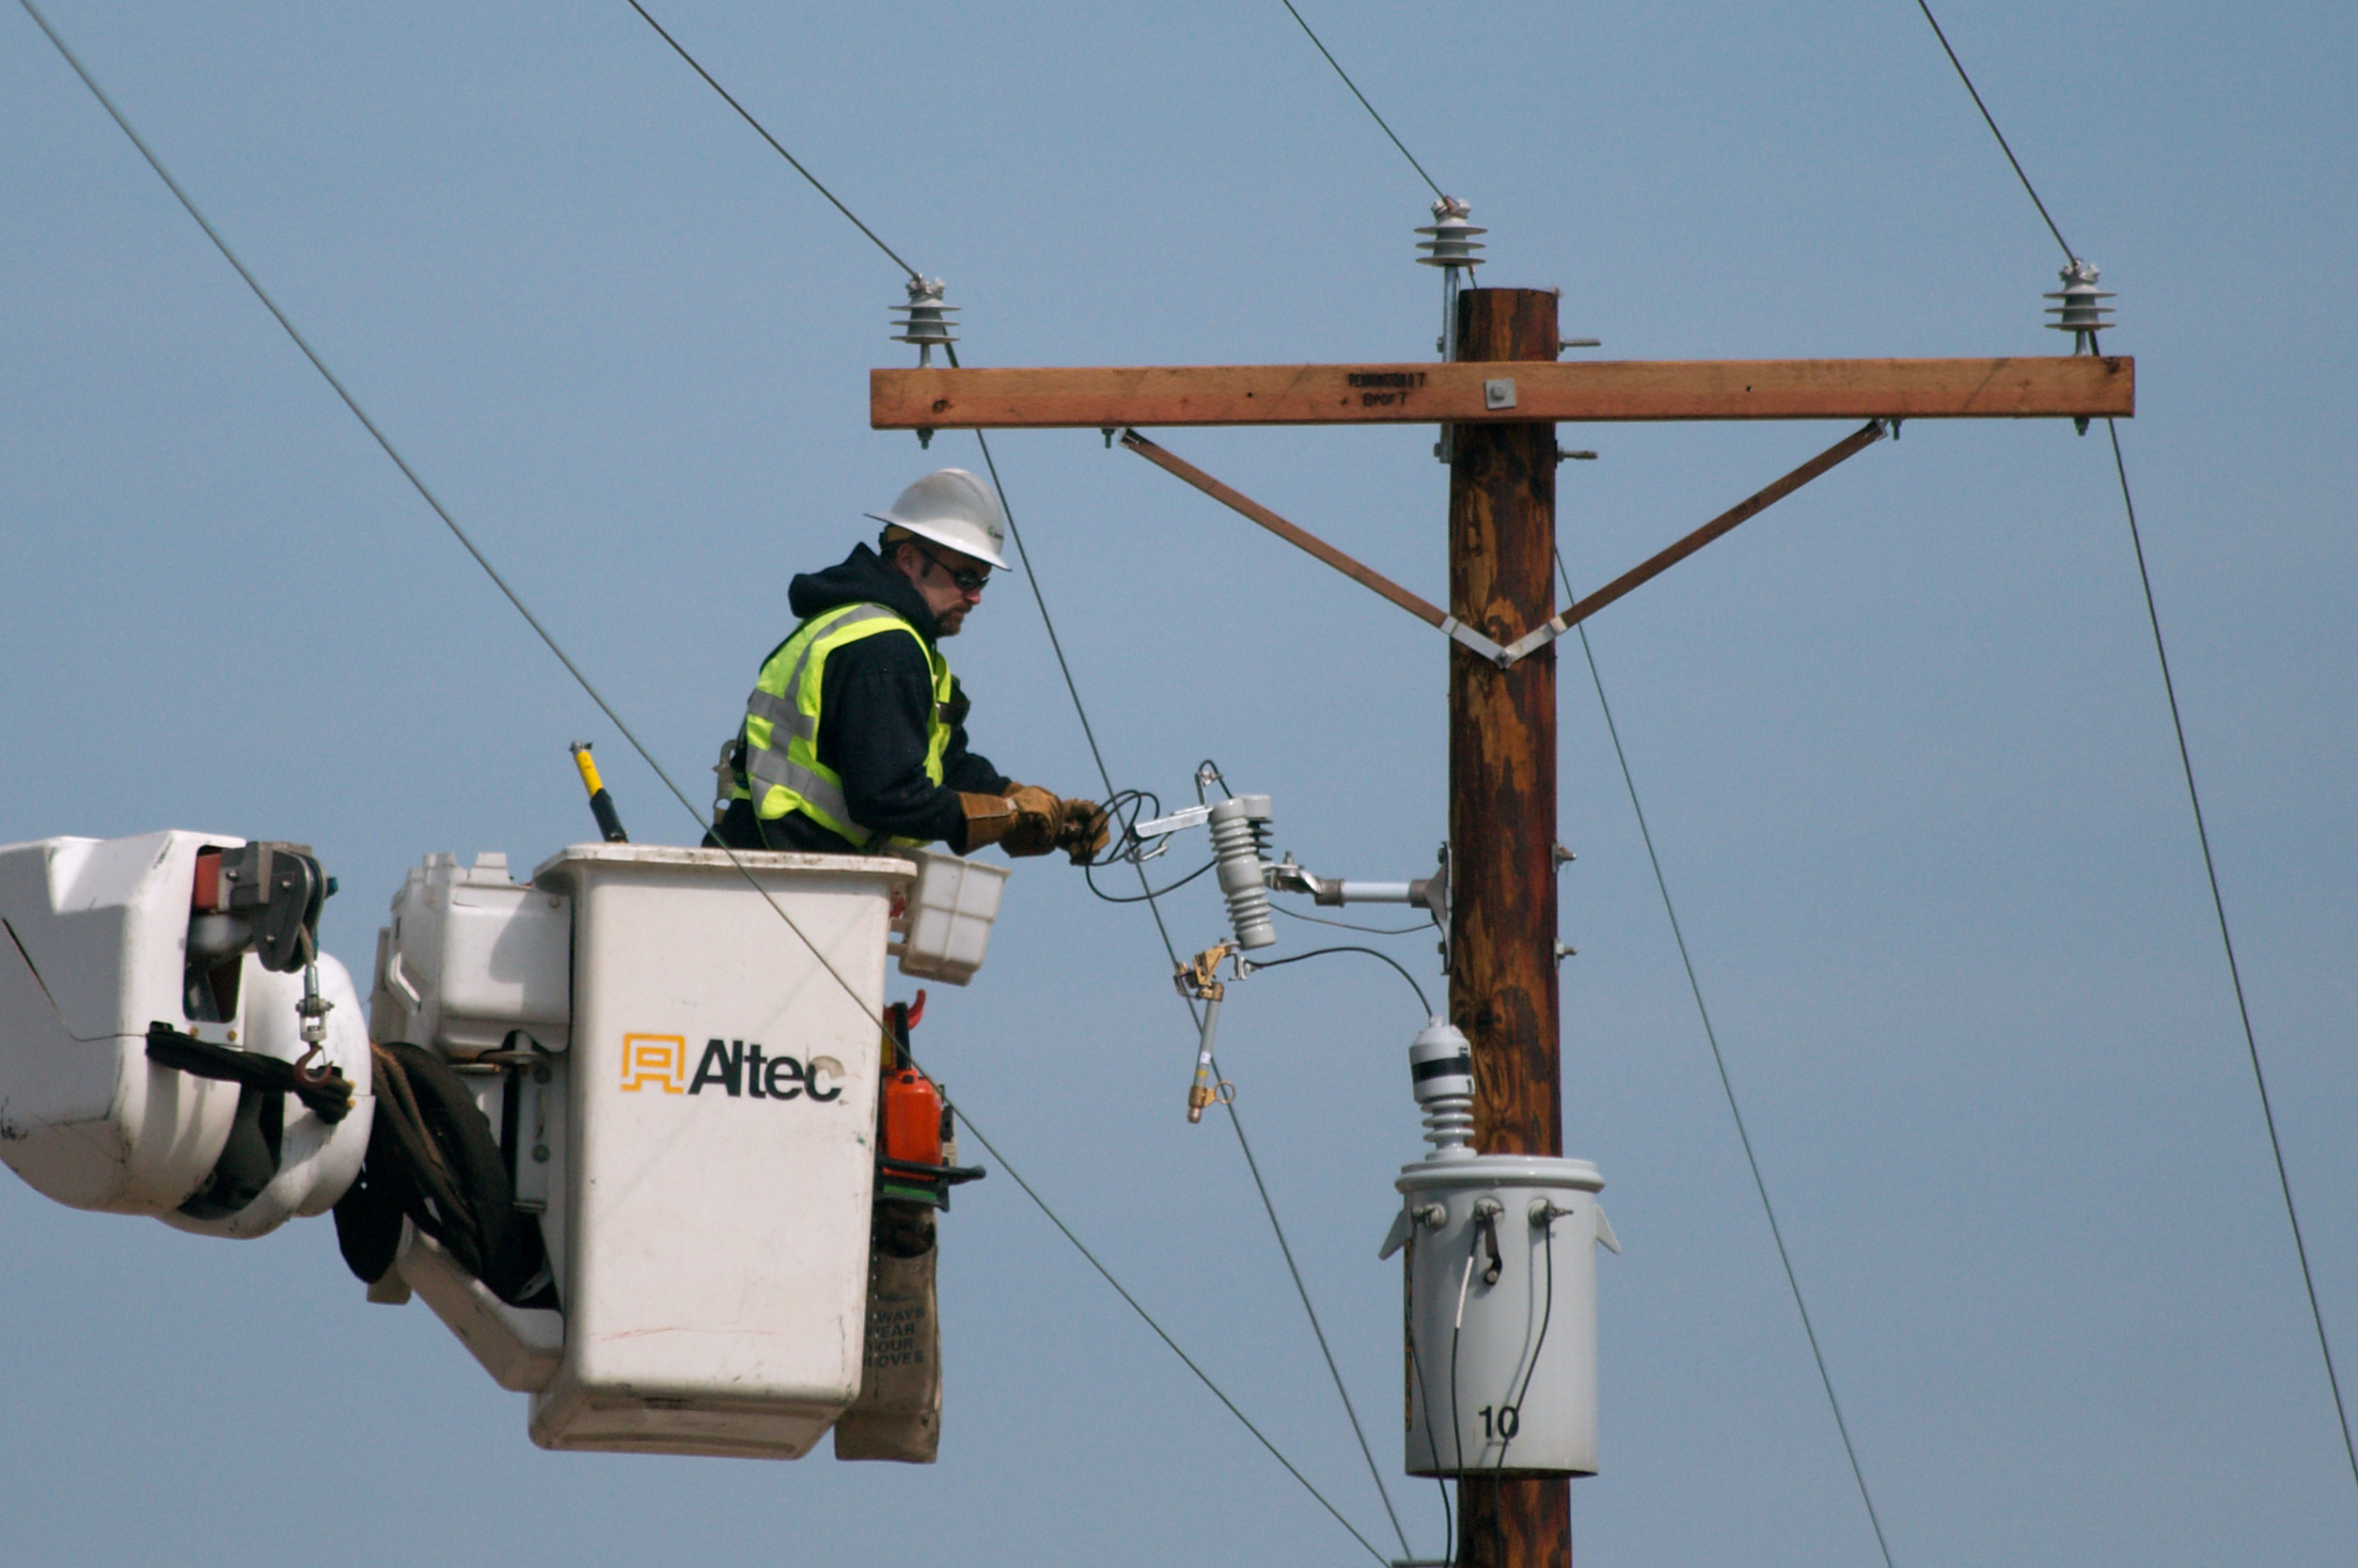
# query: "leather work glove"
x,y
988,818
1038,816
1082,828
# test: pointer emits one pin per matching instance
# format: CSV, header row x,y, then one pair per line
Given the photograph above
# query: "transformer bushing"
x,y
1502,1265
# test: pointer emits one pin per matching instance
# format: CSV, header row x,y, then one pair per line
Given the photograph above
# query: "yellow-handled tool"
x,y
601,804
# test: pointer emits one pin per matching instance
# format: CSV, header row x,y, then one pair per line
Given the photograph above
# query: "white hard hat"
x,y
951,506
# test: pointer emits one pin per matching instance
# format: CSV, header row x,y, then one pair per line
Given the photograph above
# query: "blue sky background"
x,y
1902,739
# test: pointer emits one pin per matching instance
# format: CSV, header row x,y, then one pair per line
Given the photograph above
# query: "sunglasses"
x,y
967,579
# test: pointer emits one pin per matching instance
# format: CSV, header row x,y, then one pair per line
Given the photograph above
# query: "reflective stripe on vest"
x,y
782,771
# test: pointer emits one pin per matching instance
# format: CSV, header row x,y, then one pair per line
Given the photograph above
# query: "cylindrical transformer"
x,y
1239,825
1502,1314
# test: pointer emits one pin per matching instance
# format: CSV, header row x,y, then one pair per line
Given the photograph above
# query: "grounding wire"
x,y
1260,963
1990,120
1171,950
1727,1084
773,142
623,728
1362,98
2235,975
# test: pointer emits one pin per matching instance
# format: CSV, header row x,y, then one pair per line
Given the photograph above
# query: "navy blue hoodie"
x,y
874,707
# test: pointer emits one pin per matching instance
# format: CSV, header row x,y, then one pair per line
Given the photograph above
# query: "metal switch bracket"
x,y
1484,647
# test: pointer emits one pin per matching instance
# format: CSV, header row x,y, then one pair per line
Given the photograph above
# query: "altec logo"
x,y
659,1061
654,1060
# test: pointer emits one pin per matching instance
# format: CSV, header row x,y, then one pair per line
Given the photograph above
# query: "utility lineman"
x,y
853,738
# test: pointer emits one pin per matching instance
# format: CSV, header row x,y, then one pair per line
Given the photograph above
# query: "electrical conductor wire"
x,y
2194,797
773,142
1190,1361
1259,963
412,476
1362,98
1056,644
1727,1084
2226,940
1235,1121
629,735
1990,120
1346,925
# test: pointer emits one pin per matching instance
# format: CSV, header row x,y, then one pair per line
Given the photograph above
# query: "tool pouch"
x,y
898,1414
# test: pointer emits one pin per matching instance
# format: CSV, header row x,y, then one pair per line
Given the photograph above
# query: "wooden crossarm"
x,y
2081,386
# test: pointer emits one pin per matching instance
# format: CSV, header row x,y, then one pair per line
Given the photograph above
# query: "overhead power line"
x,y
581,679
1104,775
774,143
417,484
1727,1084
2235,973
1362,98
2195,802
1151,896
1990,120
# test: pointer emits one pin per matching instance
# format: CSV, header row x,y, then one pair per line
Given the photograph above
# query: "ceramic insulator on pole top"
x,y
1453,244
1451,248
2079,314
924,320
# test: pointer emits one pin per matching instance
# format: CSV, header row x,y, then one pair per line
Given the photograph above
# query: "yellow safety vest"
x,y
780,771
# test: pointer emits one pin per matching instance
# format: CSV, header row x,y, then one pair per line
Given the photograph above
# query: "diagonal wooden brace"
x,y
1359,571
1654,565
1539,637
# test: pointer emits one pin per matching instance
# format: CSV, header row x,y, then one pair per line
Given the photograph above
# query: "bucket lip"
x,y
680,856
1501,1171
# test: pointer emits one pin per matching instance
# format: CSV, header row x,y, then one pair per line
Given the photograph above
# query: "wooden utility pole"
x,y
1503,834
1502,398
